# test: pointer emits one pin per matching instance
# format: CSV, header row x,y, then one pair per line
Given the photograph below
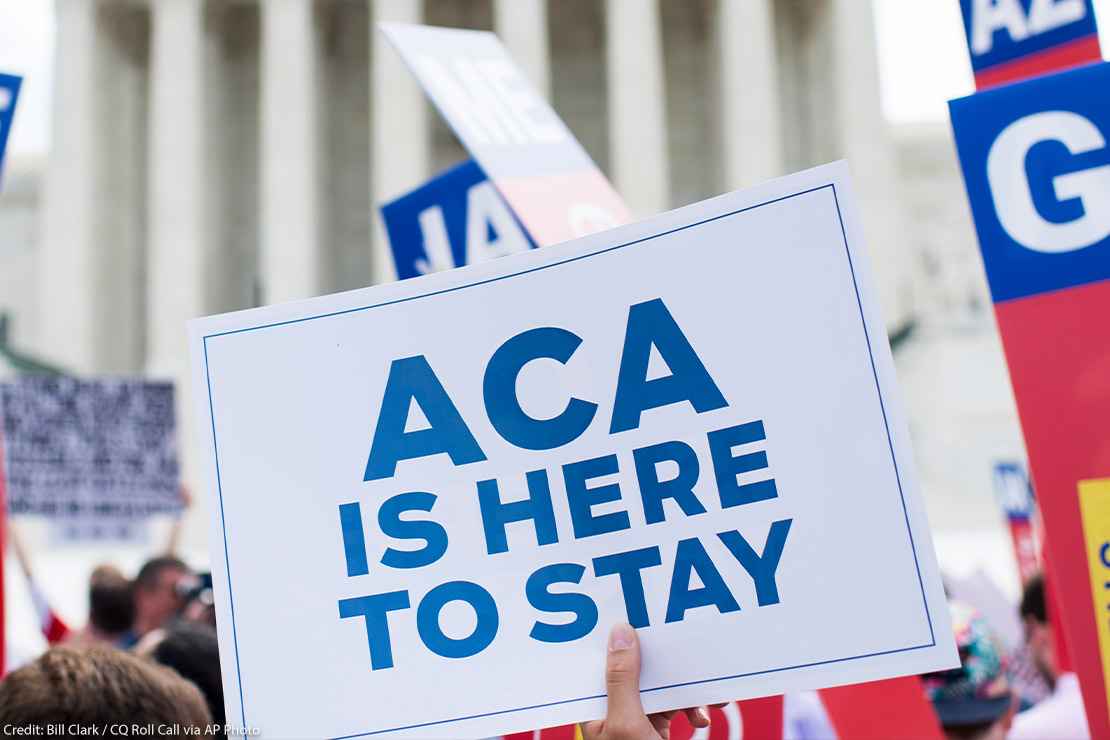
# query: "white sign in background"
x,y
772,290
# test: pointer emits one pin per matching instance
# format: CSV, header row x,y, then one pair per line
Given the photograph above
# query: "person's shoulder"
x,y
1059,716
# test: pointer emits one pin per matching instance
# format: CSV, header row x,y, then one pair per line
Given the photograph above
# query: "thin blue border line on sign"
x,y
882,407
223,529
886,423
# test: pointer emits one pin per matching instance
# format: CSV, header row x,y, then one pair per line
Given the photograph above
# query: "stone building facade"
x,y
212,155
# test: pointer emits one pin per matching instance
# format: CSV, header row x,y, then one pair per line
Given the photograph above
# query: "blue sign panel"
x,y
1013,489
1000,31
1037,169
9,94
456,218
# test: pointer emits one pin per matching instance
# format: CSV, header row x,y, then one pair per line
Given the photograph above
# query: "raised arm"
x,y
173,540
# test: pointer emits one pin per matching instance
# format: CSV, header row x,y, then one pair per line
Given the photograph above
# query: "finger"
x,y
622,677
698,716
664,717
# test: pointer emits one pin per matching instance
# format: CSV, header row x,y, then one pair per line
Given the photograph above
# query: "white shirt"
x,y
805,717
1059,717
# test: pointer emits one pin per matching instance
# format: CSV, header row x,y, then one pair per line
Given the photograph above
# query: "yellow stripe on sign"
x,y
578,728
1094,505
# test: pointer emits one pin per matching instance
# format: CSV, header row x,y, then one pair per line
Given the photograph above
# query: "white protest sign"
x,y
434,497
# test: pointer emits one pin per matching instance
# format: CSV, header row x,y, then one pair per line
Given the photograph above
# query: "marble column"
x,y
751,133
91,260
179,244
863,138
399,125
292,260
70,300
637,105
522,26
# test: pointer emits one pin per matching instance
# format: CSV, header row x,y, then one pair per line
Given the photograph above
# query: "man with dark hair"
x,y
98,686
111,609
111,602
157,596
1061,715
193,651
1033,602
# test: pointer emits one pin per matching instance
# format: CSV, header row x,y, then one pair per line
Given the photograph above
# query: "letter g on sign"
x,y
1013,198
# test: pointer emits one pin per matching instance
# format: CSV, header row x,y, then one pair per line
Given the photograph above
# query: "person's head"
x,y
973,701
1038,630
192,650
96,686
111,602
157,597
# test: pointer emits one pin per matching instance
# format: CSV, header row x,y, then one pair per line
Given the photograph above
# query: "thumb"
x,y
622,677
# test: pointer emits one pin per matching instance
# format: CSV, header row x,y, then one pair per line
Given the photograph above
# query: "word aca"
x,y
666,475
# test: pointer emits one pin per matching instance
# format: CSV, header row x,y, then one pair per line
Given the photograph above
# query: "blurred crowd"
x,y
992,695
148,654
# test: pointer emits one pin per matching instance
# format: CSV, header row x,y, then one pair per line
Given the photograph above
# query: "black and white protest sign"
x,y
81,448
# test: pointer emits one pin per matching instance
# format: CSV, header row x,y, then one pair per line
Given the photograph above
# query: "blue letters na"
x,y
1036,164
456,218
9,94
1000,31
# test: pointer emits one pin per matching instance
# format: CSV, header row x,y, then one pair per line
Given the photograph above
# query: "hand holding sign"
x,y
624,716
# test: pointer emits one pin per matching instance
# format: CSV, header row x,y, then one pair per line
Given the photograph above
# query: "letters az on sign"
x,y
485,468
1010,40
1036,163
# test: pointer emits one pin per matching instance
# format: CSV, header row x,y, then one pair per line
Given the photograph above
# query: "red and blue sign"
x,y
1010,40
1036,163
456,218
9,95
1015,496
